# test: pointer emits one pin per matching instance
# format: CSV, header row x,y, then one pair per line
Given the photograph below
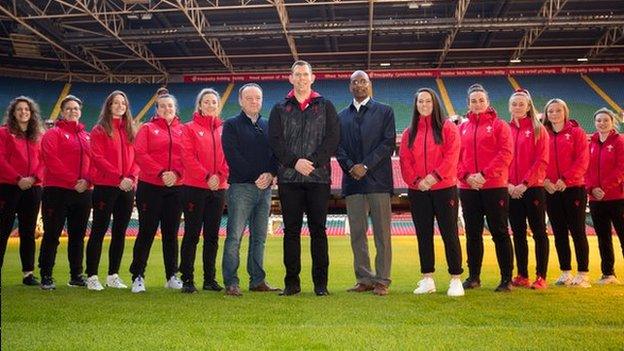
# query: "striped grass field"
x,y
160,319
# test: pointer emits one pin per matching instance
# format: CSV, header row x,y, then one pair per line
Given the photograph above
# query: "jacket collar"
x,y
162,123
68,126
596,137
210,122
487,115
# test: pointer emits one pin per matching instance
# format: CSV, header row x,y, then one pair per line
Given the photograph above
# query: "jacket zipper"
x,y
425,148
123,154
516,154
170,146
475,145
80,164
28,157
600,163
214,151
557,157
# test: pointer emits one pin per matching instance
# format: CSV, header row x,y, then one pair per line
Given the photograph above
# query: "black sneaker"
x,y
30,280
504,286
472,283
321,291
77,281
188,287
47,283
212,286
290,290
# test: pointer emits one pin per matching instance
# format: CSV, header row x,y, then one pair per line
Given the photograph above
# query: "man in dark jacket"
x,y
252,167
304,133
367,142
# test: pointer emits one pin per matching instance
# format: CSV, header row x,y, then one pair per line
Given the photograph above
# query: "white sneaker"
x,y
113,281
608,279
173,283
138,285
455,288
93,283
425,286
581,281
564,279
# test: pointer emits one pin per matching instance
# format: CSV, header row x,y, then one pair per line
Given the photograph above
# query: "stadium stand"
x,y
45,93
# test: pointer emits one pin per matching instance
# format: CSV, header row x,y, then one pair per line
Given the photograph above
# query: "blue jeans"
x,y
246,204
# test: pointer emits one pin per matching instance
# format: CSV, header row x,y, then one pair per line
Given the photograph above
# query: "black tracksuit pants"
x,y
108,201
442,205
203,208
311,198
57,206
25,204
531,206
566,211
605,213
157,205
494,205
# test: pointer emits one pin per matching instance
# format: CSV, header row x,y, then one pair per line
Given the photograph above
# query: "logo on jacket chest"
x,y
609,148
567,136
488,129
200,133
66,136
527,133
156,131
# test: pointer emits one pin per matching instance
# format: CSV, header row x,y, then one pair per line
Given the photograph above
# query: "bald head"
x,y
360,86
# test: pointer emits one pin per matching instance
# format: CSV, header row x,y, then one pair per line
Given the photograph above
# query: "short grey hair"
x,y
300,63
248,85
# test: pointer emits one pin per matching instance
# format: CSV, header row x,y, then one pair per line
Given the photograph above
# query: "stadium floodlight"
x,y
582,59
515,60
385,64
418,4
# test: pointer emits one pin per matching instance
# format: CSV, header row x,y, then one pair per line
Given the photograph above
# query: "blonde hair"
x,y
566,111
531,113
614,117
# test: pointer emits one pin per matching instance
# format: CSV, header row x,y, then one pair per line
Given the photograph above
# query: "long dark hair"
x,y
34,129
437,120
106,116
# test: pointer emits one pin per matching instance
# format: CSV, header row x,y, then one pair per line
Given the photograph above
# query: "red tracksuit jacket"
x,y
486,147
112,158
530,157
66,151
606,166
203,154
158,148
426,157
569,155
19,158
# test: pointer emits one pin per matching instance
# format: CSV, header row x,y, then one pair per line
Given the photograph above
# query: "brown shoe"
x,y
264,287
380,290
360,287
233,290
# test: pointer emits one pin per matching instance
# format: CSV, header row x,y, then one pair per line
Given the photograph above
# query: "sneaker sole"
x,y
424,293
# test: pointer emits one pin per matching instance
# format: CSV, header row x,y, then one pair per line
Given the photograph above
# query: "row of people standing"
x,y
481,156
513,173
174,168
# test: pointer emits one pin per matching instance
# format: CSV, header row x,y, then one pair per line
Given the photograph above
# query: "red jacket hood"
x,y
488,114
210,122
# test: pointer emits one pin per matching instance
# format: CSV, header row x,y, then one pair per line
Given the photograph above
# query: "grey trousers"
x,y
358,208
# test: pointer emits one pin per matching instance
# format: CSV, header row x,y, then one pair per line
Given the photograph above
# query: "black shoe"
x,y
47,283
30,280
472,283
321,291
212,286
290,290
77,281
188,287
504,286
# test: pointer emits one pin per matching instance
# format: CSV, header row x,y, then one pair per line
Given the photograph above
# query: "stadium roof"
x,y
141,40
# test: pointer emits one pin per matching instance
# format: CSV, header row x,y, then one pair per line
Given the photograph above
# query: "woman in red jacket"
x,y
429,154
526,188
158,150
204,188
485,156
566,198
605,185
21,172
66,192
114,173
